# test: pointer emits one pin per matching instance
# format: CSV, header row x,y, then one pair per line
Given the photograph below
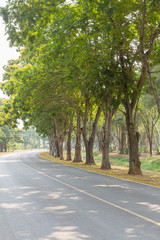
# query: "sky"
x,y
6,52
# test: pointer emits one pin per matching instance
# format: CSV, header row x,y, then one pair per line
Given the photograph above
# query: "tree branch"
x,y
153,92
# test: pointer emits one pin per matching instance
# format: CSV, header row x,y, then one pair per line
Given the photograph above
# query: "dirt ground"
x,y
5,153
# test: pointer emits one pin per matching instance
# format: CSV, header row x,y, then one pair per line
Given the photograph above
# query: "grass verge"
x,y
147,162
148,177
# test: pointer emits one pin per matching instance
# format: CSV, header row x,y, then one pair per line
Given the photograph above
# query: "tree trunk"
x,y
61,140
60,132
152,89
69,156
133,139
151,139
89,151
53,145
122,141
89,143
150,148
56,148
99,138
5,146
149,126
78,156
156,142
106,130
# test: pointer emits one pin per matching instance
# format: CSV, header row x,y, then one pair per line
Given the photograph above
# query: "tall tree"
x,y
133,27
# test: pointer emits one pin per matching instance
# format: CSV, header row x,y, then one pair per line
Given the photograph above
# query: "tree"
x,y
99,50
149,116
133,31
120,130
154,79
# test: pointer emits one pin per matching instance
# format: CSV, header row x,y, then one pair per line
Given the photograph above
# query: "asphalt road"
x,y
42,200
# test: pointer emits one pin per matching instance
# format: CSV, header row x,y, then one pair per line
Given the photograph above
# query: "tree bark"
x,y
89,143
150,139
5,146
69,134
61,140
60,132
106,131
69,156
78,156
122,144
149,124
89,151
156,142
133,138
56,148
152,90
99,138
150,148
53,144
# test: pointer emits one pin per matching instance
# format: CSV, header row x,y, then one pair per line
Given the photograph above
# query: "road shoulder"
x,y
149,177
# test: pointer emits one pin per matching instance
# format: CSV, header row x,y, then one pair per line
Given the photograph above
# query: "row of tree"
x,y
82,60
13,138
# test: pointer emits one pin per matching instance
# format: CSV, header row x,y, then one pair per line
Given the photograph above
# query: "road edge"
x,y
66,163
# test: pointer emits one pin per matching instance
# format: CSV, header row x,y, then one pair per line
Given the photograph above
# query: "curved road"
x,y
42,200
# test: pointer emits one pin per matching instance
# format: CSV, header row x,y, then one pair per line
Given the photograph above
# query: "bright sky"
x,y
6,53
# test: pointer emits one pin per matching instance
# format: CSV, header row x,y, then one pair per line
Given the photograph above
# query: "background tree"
x,y
149,117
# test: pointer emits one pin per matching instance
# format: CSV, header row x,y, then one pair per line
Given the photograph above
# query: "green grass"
x,y
120,161
147,163
148,177
115,161
151,163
